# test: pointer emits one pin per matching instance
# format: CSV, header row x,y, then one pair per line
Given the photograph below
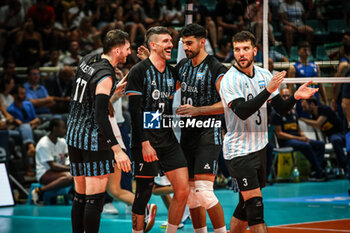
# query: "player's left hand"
x,y
187,110
305,92
121,85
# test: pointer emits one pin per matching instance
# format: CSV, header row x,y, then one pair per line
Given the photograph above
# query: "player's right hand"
x,y
148,152
122,160
276,80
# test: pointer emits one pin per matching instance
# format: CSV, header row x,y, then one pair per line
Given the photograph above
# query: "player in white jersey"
x,y
245,88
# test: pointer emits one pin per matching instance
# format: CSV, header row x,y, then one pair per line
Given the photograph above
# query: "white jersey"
x,y
244,136
47,151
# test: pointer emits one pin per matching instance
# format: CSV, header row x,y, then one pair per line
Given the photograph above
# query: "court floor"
x,y
289,207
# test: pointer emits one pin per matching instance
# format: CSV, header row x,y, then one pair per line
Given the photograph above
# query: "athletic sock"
x,y
77,213
220,230
171,228
201,230
92,214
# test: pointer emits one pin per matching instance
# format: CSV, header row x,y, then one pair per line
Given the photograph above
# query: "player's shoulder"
x,y
142,66
261,71
182,62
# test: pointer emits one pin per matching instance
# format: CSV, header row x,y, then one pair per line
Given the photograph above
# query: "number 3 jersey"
x,y
82,129
198,88
157,90
244,136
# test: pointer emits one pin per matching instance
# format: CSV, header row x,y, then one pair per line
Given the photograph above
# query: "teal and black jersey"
x,y
198,88
82,129
157,90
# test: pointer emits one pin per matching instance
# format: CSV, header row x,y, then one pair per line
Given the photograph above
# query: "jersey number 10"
x,y
80,82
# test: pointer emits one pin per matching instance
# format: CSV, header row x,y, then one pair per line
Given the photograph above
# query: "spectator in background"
x,y
24,117
289,133
29,45
42,15
7,84
72,57
37,94
152,13
77,13
292,14
52,170
254,15
325,119
203,17
59,86
174,16
53,62
229,18
225,46
305,68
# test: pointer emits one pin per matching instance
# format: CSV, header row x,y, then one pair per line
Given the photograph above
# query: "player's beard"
x,y
249,62
192,54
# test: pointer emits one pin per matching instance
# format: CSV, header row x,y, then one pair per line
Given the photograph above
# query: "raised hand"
x,y
142,52
305,92
276,81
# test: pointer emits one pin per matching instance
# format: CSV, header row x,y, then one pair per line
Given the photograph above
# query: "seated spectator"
x,y
42,14
292,14
72,57
229,18
303,69
325,119
37,94
53,62
254,14
77,12
174,16
60,88
24,117
29,44
51,161
7,84
289,134
225,46
152,13
202,16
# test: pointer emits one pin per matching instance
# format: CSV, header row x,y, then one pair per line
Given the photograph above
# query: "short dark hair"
x,y
244,36
312,99
55,122
195,30
5,81
157,30
114,38
347,47
32,67
303,44
16,88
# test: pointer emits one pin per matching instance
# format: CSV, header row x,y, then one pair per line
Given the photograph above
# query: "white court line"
x,y
302,223
312,229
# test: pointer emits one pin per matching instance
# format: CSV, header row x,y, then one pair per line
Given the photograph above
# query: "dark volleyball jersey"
x,y
333,124
288,123
83,131
310,70
198,88
157,90
345,87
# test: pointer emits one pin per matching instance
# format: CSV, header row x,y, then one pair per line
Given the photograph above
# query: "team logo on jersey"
x,y
183,86
170,82
261,84
153,83
151,120
200,76
156,94
206,166
184,74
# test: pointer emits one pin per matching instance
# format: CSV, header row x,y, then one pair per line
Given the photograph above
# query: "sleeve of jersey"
x,y
135,82
220,73
231,89
101,116
136,116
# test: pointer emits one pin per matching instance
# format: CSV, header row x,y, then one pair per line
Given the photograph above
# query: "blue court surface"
x,y
285,204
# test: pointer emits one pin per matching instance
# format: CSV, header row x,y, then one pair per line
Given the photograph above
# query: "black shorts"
x,y
346,90
170,158
90,163
202,159
249,170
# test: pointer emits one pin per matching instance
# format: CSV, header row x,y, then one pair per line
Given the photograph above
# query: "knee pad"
x,y
255,211
205,193
240,211
192,201
96,201
143,193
